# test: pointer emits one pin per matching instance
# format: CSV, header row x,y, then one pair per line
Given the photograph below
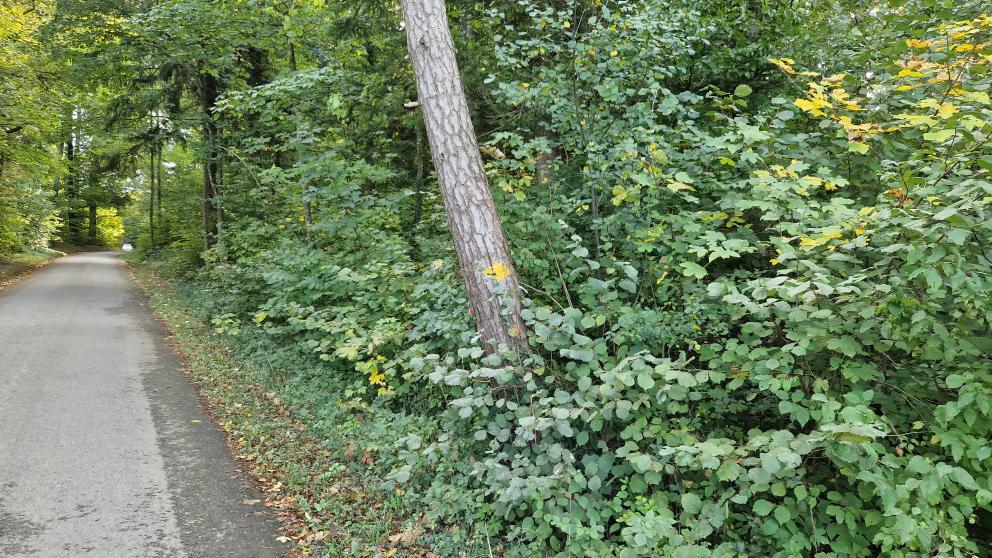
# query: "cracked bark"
x,y
475,227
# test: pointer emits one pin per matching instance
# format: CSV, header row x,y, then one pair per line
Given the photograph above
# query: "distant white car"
x,y
127,247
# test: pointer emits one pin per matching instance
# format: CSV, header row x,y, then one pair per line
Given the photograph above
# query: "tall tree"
x,y
475,227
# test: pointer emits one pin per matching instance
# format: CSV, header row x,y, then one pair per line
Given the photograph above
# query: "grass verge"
x,y
15,266
324,488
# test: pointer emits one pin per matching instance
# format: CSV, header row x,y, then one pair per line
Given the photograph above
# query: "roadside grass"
x,y
16,265
320,480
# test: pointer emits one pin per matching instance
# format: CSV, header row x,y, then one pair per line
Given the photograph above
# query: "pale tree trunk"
x,y
151,195
483,254
158,190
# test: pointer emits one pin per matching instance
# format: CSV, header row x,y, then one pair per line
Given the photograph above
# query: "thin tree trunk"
x,y
209,91
57,175
92,231
71,224
219,193
418,203
307,207
475,227
151,195
158,192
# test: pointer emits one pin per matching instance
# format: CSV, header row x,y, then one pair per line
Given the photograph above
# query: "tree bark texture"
x,y
475,227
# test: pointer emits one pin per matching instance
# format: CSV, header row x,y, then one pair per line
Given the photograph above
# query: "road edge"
x,y
175,397
10,279
207,384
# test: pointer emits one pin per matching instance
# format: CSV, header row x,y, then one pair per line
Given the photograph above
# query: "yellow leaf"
x,y
977,97
834,80
917,119
906,72
497,271
805,104
946,110
813,105
676,186
783,64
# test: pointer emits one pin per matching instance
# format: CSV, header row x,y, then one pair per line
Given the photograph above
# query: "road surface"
x,y
105,451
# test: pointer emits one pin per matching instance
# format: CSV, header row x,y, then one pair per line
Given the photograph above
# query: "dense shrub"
x,y
759,318
842,409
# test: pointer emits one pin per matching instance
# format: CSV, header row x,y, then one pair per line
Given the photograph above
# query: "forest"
x,y
590,278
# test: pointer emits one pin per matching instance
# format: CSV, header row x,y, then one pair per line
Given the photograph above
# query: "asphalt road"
x,y
105,451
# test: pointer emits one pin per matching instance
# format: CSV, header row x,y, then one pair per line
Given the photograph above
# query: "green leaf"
x,y
585,383
983,497
782,515
691,503
641,462
742,90
645,381
857,147
945,213
939,136
692,269
846,345
852,433
762,507
963,478
954,381
958,236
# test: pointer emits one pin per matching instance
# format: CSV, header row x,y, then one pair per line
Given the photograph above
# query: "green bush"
x,y
758,312
831,395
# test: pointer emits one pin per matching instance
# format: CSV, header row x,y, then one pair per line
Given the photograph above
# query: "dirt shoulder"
x,y
13,267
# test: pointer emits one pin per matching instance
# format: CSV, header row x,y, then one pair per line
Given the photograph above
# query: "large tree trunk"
x,y
475,227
